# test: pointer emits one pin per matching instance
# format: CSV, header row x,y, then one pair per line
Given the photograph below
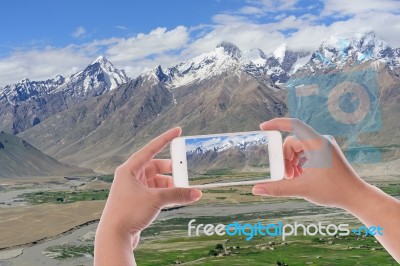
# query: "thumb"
x,y
282,188
178,196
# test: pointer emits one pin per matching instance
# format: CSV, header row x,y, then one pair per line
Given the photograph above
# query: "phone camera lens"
x,y
181,162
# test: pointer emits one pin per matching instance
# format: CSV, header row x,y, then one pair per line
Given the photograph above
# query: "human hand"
x,y
138,193
315,168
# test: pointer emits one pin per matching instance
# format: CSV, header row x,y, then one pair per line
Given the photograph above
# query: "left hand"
x,y
138,193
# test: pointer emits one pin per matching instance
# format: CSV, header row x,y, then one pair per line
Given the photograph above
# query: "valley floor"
x,y
53,221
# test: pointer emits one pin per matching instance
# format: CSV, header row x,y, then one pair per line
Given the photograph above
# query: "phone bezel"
x,y
179,163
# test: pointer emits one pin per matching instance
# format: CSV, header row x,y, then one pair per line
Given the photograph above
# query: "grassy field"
x,y
299,250
222,250
60,197
105,178
69,251
217,176
391,189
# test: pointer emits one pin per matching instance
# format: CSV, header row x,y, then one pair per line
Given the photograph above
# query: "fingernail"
x,y
195,194
258,191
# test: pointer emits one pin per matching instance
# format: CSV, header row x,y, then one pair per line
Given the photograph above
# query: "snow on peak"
x,y
230,49
100,59
112,76
353,39
280,52
256,56
94,80
227,57
26,89
224,57
353,48
220,144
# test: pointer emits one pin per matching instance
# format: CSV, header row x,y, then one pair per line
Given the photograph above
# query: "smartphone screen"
x,y
227,158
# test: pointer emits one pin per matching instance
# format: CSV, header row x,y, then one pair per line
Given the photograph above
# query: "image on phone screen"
x,y
227,158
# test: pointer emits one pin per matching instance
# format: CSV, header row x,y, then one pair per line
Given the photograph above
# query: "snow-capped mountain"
x,y
227,57
234,153
223,58
94,80
352,49
27,103
27,89
236,142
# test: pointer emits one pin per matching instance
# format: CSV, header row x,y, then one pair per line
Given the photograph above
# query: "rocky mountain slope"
x,y
28,103
102,131
225,90
20,159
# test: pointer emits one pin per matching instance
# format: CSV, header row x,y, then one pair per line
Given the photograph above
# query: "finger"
x,y
145,154
281,124
300,129
162,181
291,146
283,188
158,166
170,182
295,160
288,169
178,196
150,182
295,171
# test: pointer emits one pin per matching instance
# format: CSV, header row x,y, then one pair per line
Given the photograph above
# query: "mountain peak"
x,y
103,62
279,53
100,59
351,37
160,74
230,49
351,49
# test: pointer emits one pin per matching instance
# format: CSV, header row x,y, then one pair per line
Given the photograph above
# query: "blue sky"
x,y
40,39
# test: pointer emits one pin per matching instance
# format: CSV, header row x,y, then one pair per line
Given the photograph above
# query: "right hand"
x,y
327,178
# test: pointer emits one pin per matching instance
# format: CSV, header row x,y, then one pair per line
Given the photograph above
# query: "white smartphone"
x,y
229,159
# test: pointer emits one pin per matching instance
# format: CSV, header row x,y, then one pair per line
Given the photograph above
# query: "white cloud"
x,y
227,19
167,47
41,64
245,36
250,10
277,5
79,32
126,53
385,25
346,7
157,41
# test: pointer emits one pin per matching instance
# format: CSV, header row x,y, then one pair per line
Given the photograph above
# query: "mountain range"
x,y
98,117
341,51
27,103
227,154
